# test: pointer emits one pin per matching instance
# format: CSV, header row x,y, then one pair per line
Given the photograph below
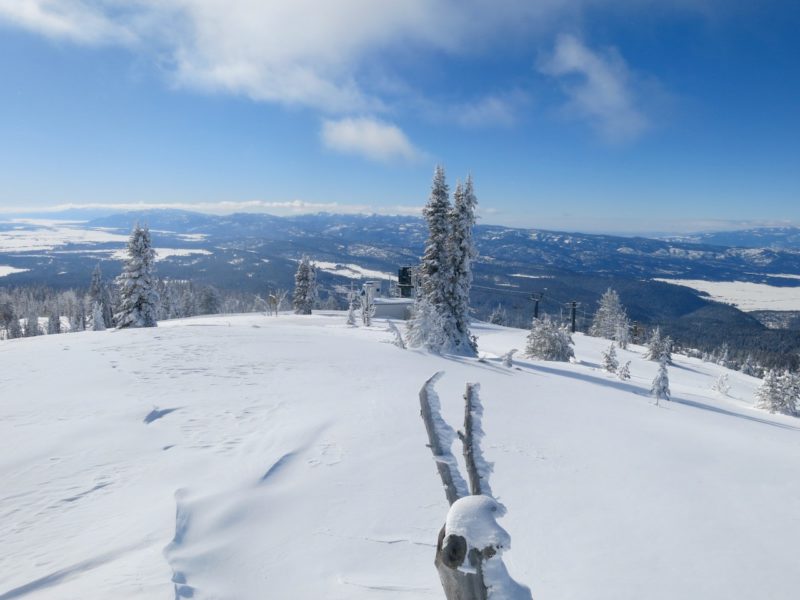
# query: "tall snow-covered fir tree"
x,y
548,341
462,253
137,286
445,272
610,321
305,287
435,332
660,387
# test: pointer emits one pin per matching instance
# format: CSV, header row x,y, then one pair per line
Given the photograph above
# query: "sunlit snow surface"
x,y
353,271
246,458
37,238
745,295
7,270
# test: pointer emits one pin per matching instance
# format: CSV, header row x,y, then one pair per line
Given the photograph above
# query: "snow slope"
x,y
247,457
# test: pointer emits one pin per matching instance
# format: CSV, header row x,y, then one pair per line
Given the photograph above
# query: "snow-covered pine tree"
x,y
508,358
748,368
398,337
548,341
352,308
769,395
655,346
610,362
77,320
304,287
499,316
722,356
331,302
98,322
137,286
660,387
789,384
98,293
53,323
427,330
13,329
624,372
32,324
462,252
367,306
722,385
435,275
666,349
189,306
210,301
610,321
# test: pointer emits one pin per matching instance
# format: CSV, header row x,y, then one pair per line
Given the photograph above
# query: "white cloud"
x,y
289,207
333,56
315,53
367,137
69,19
600,87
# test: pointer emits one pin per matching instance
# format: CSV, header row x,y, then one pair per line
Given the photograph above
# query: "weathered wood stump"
x,y
461,567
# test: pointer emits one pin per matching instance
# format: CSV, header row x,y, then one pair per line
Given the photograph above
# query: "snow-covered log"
x,y
440,440
470,545
478,469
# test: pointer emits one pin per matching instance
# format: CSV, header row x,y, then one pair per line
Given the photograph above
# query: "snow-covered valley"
x,y
250,457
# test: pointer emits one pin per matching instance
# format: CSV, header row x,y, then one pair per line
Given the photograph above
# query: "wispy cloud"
x,y
289,207
66,19
327,56
367,137
600,88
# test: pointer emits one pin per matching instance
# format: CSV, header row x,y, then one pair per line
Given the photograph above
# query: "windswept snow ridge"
x,y
296,466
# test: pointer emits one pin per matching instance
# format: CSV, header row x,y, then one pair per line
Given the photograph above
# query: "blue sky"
x,y
593,115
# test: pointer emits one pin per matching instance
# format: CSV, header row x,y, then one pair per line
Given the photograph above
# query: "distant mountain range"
x,y
780,238
256,251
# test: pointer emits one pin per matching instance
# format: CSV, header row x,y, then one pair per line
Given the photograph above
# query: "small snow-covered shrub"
x,y
610,362
548,341
624,372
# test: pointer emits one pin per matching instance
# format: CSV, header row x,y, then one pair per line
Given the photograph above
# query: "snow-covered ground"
x,y
163,253
745,295
251,457
27,239
7,270
353,271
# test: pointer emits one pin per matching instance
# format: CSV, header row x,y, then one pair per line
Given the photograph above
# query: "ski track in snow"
x,y
297,468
